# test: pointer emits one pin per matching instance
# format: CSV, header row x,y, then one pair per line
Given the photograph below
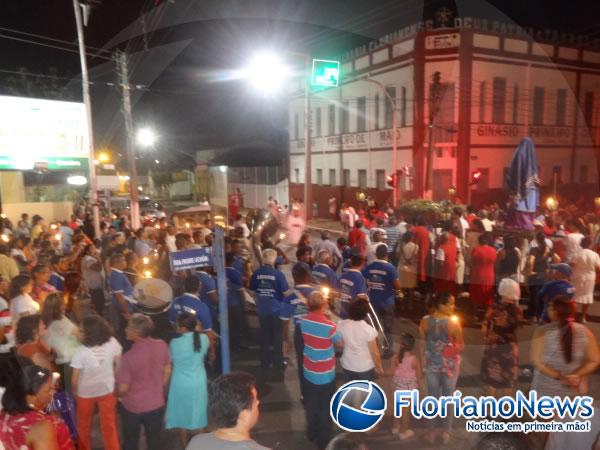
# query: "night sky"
x,y
182,93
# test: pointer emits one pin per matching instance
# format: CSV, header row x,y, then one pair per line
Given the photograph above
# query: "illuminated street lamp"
x,y
104,157
146,137
551,203
268,74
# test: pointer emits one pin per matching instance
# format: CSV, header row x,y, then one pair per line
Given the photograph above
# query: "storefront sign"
x,y
440,41
501,134
48,132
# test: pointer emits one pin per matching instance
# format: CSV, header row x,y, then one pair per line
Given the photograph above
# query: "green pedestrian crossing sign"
x,y
325,73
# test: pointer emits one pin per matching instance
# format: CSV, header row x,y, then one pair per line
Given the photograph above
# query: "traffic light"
x,y
475,177
392,180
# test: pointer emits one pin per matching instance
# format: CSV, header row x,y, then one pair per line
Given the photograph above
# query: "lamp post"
x,y
88,112
394,136
268,74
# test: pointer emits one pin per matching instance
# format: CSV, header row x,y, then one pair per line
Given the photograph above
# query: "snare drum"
x,y
153,296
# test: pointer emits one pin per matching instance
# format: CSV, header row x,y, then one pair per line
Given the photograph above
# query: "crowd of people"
x,y
73,339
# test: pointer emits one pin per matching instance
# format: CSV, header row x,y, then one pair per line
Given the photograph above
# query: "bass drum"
x,y
153,296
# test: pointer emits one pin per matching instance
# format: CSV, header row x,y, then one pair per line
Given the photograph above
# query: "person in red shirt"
x,y
421,238
483,259
74,223
356,238
445,264
24,422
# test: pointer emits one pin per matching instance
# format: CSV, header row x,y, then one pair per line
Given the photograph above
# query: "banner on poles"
x,y
190,259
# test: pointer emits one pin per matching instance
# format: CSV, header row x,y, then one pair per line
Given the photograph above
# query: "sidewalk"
x,y
326,225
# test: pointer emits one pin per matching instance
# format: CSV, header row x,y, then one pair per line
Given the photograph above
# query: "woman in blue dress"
x,y
188,392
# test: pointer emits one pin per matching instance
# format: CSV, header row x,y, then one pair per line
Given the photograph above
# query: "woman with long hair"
x,y
538,262
62,335
29,334
93,381
508,259
188,391
500,362
21,303
442,336
24,422
564,353
74,295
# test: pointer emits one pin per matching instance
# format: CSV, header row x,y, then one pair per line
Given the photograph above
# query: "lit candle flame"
x,y
187,225
282,236
5,238
157,226
454,318
147,274
325,291
58,237
146,260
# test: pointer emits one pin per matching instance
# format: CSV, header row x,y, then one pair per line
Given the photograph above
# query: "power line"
x,y
48,38
42,44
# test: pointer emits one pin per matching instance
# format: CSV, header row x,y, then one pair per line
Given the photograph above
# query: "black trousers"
x,y
299,348
271,341
316,406
97,296
132,424
238,326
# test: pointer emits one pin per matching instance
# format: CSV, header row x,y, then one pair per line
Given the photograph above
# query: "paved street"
x,y
282,420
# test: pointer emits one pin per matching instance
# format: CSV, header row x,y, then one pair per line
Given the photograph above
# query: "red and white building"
x,y
498,85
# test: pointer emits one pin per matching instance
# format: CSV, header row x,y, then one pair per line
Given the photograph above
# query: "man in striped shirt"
x,y
319,335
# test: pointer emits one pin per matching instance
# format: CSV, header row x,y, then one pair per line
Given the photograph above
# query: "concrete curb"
x,y
321,229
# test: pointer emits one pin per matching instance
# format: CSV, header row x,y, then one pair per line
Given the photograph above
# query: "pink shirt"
x,y
142,370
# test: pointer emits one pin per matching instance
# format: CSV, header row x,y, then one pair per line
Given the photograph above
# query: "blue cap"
x,y
562,268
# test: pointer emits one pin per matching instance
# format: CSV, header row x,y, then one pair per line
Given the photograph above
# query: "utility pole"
x,y
133,181
88,112
434,104
307,144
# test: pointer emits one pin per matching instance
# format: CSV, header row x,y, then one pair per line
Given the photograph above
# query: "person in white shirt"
x,y
326,244
459,221
572,241
61,335
360,359
21,303
93,381
241,223
170,238
372,247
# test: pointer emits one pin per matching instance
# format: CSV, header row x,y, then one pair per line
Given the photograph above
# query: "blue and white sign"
x,y
363,417
190,259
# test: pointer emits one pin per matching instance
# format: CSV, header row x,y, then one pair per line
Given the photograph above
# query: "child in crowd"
x,y
407,375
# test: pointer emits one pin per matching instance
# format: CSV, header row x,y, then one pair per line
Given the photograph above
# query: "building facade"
x,y
496,86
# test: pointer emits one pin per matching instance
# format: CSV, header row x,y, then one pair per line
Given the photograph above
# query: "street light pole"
x,y
307,144
394,136
88,112
133,181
